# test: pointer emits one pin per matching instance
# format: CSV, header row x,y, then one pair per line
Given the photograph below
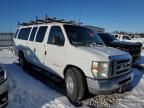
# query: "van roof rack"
x,y
47,20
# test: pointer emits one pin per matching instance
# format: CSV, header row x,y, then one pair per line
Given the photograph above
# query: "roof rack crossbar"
x,y
47,20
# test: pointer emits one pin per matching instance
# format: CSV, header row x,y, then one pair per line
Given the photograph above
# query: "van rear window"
x,y
24,33
41,33
33,33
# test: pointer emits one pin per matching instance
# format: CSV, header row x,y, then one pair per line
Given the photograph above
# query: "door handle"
x,y
45,52
34,50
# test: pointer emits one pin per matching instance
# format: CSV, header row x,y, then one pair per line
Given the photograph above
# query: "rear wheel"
x,y
22,61
75,84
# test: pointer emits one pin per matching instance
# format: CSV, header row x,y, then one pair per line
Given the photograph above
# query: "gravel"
x,y
103,101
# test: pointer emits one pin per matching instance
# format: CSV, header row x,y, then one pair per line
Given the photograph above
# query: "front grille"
x,y
123,81
120,67
119,72
122,61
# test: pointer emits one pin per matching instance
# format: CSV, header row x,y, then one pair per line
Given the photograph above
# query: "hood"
x,y
124,44
103,51
141,40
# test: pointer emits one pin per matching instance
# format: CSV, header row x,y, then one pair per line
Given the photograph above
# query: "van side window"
x,y
116,36
126,38
33,33
24,33
41,33
16,33
56,32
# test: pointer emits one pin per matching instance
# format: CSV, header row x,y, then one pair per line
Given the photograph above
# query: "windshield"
x,y
78,35
106,37
126,37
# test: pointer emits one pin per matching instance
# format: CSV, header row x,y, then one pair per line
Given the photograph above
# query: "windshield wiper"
x,y
100,43
90,44
80,43
96,44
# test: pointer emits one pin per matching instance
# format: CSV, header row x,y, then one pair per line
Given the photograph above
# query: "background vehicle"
x,y
136,36
3,87
127,38
133,48
76,54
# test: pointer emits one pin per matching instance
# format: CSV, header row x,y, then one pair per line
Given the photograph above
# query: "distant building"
x,y
6,39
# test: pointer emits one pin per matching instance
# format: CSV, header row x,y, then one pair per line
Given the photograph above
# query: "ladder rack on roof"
x,y
47,20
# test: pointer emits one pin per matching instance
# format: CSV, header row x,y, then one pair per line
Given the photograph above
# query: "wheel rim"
x,y
70,84
21,62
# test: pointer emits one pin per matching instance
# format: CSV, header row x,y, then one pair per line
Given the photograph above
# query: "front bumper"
x,y
3,93
109,85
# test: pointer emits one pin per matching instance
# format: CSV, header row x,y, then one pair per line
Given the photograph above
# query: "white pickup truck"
x,y
127,38
74,53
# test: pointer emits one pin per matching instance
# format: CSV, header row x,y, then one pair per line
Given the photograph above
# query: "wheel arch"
x,y
20,53
71,66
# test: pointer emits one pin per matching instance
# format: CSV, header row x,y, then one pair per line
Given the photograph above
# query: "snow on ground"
x,y
28,92
135,98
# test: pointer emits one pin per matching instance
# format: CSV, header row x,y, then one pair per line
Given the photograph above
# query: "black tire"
x,y
22,61
79,85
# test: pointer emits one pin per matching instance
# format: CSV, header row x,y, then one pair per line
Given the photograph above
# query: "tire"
x,y
22,61
75,84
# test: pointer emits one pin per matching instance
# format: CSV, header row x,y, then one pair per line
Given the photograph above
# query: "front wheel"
x,y
75,84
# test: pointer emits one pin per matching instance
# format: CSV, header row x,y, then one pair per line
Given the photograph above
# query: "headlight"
x,y
100,70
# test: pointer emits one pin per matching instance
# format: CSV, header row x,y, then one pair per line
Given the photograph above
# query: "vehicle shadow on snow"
x,y
47,78
138,74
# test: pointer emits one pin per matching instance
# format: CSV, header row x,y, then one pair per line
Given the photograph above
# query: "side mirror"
x,y
57,41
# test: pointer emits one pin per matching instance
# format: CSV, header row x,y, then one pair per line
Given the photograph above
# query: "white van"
x,y
74,53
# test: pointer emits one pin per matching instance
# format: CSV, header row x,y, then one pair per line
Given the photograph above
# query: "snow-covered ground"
x,y
26,91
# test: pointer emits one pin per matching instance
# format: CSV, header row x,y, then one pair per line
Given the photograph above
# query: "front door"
x,y
55,51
